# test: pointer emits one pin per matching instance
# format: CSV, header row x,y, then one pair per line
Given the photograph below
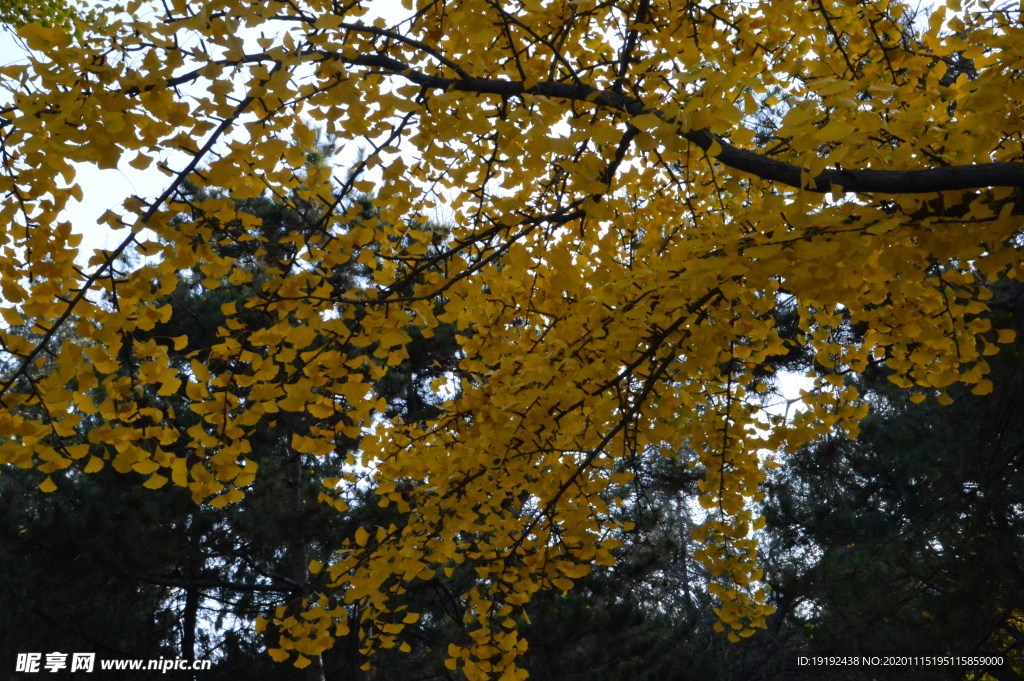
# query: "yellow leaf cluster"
x,y
622,234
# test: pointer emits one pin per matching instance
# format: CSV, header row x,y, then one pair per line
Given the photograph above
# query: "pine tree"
x,y
908,538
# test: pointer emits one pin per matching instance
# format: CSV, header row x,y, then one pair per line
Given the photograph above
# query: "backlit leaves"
x,y
625,228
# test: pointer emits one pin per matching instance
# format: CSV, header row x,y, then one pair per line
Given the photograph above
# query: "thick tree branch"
x,y
975,176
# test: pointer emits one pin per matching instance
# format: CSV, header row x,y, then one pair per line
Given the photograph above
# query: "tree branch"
x,y
218,584
945,178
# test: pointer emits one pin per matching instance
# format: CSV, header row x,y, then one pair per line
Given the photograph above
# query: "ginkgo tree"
x,y
625,227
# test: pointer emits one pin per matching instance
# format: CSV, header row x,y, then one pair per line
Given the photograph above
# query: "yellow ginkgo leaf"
x,y
155,481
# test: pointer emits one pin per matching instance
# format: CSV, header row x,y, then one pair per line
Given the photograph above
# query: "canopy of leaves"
x,y
47,13
635,187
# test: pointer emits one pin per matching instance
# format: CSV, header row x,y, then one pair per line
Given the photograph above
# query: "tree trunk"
x,y
299,551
